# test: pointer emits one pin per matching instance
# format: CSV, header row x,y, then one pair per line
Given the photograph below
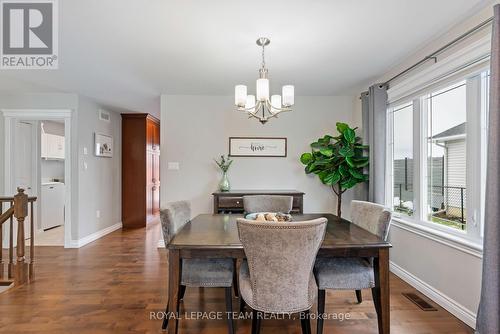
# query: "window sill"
x,y
465,245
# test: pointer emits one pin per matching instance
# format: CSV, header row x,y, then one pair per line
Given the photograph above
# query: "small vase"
x,y
224,183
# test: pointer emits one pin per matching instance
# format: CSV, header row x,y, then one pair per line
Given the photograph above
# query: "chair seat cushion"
x,y
207,272
245,285
344,273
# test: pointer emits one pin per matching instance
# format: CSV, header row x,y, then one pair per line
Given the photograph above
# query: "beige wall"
x,y
195,129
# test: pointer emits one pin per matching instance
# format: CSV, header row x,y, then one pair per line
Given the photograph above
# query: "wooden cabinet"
x,y
232,201
140,169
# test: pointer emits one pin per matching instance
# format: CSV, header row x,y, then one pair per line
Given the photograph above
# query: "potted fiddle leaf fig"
x,y
338,161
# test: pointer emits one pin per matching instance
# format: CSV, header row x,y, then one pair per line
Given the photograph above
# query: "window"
x,y
402,164
446,156
437,149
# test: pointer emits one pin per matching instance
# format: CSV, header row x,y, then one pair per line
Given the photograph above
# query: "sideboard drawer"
x,y
230,202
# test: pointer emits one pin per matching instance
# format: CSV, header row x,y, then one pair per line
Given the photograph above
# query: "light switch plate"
x,y
173,165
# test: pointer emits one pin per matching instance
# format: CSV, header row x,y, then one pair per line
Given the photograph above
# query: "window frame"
x,y
476,98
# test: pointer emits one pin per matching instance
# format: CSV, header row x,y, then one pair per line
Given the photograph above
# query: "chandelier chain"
x,y
263,59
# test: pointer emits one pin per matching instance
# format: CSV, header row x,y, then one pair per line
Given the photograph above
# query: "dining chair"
x,y
277,276
352,273
267,203
211,273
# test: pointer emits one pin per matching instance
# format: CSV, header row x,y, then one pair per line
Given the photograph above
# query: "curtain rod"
x,y
440,50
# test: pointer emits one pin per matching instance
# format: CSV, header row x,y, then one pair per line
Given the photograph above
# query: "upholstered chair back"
x,y
373,217
280,261
267,203
173,218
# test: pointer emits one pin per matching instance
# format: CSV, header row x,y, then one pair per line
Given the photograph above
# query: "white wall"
x,y
195,129
450,275
99,184
98,187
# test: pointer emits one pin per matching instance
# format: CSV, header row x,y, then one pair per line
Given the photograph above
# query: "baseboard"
x,y
435,295
94,236
161,243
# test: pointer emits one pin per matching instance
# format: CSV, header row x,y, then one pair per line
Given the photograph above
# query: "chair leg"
x,y
242,305
359,296
305,322
165,319
229,310
182,291
256,321
321,311
235,278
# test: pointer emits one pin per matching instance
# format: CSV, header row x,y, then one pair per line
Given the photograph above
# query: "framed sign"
x,y
103,145
257,147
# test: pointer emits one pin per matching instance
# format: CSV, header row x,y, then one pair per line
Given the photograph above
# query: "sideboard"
x,y
232,201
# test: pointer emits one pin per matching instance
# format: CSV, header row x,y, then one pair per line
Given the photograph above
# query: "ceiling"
x,y
126,53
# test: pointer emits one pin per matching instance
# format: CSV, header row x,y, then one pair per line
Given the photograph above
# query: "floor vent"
x,y
419,301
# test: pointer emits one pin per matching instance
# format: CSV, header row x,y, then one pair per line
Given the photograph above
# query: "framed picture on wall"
x,y
103,145
257,147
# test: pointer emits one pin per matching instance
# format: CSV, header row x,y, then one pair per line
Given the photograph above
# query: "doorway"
x,y
42,165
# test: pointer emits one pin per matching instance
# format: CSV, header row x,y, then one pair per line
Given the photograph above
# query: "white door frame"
x,y
11,116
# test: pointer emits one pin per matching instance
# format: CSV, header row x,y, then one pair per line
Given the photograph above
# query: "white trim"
x,y
48,114
13,115
450,138
444,238
475,52
449,304
94,236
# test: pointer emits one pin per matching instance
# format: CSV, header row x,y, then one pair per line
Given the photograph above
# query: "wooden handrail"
x,y
6,215
20,270
7,199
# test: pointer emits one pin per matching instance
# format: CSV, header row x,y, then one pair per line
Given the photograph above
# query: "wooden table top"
x,y
241,192
219,231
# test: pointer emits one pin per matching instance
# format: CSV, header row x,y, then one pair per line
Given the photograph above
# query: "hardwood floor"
x,y
114,284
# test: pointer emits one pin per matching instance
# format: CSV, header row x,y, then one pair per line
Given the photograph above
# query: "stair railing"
x,y
20,271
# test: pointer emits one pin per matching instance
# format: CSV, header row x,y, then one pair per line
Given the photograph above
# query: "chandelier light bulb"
x,y
240,95
262,89
250,102
275,103
288,95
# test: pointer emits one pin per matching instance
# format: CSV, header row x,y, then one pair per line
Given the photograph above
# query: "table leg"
x,y
174,276
381,295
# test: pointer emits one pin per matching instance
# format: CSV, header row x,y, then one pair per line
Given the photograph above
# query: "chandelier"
x,y
262,107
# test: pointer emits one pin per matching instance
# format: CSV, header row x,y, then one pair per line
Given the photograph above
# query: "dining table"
x,y
216,236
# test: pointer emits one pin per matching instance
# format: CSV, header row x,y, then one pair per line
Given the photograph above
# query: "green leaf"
x,y
326,151
306,158
330,178
354,172
349,183
343,171
350,162
341,127
349,135
361,146
316,145
346,151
